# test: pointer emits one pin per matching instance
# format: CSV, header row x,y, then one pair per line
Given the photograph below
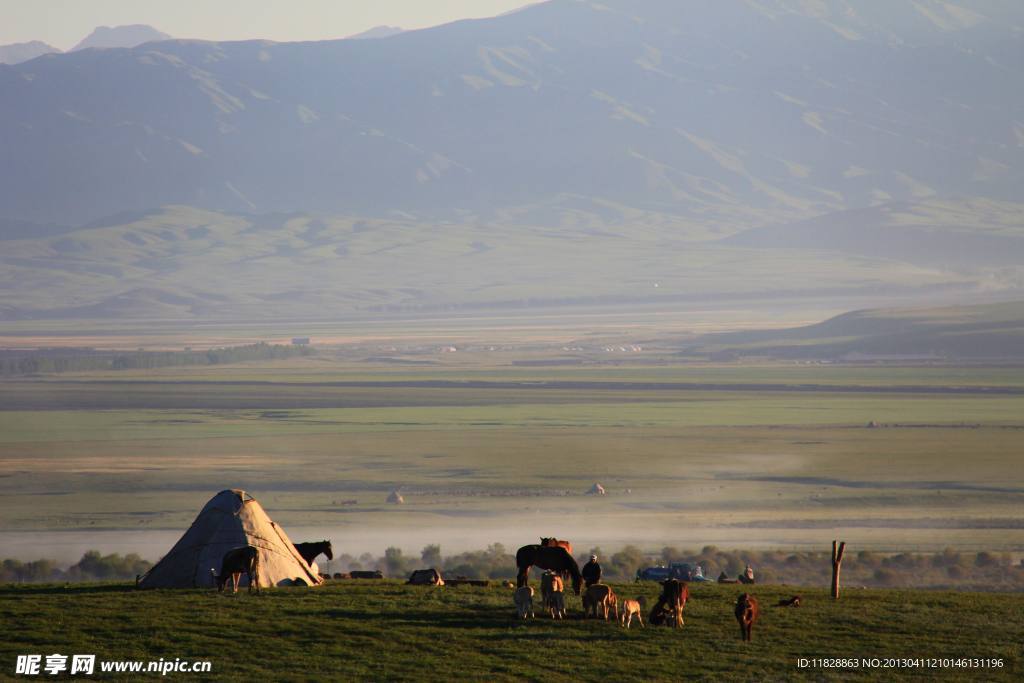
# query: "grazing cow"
x,y
523,599
555,543
746,614
508,584
552,593
631,608
244,560
792,602
601,596
671,603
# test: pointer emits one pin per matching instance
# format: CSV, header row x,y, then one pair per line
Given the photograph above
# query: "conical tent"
x,y
231,519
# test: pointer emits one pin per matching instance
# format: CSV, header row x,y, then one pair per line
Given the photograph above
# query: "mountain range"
x,y
568,151
129,35
15,53
101,37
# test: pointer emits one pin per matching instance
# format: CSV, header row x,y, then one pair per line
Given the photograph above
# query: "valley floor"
x,y
773,456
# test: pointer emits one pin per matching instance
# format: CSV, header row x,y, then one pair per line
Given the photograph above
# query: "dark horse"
x,y
309,551
555,558
244,560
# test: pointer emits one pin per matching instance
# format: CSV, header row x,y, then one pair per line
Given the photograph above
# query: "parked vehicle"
x,y
677,570
653,574
681,570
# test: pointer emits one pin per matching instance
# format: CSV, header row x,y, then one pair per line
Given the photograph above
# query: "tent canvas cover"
x,y
231,519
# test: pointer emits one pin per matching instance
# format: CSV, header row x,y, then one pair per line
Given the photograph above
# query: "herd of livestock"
x,y
599,600
555,557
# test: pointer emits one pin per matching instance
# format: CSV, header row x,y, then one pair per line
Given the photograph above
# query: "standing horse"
x,y
310,551
556,559
244,560
555,543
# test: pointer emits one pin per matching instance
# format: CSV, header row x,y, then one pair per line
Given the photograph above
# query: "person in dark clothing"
x,y
591,572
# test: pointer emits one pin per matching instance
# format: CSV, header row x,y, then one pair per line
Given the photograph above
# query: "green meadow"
x,y
383,630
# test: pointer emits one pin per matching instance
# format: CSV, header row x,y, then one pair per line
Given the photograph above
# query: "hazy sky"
x,y
62,23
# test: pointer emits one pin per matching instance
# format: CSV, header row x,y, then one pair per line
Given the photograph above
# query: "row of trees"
x,y
982,570
80,360
92,567
949,568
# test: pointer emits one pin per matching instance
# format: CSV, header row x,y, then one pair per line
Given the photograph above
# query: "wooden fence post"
x,y
837,560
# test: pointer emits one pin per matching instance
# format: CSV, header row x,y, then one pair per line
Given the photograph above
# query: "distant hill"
x,y
377,32
120,36
570,153
967,233
16,53
185,262
719,116
990,332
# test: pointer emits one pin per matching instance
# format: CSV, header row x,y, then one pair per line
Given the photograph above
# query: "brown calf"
x,y
552,592
600,596
671,603
631,608
523,599
747,613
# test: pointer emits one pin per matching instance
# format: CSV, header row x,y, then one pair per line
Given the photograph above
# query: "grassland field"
x,y
373,630
738,455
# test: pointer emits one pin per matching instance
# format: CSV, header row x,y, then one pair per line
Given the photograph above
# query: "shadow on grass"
x,y
13,590
472,617
466,617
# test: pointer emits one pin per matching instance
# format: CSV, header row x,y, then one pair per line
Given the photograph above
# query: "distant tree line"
x,y
946,569
44,361
92,567
949,568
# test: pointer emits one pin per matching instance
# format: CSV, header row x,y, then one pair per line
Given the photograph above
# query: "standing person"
x,y
591,572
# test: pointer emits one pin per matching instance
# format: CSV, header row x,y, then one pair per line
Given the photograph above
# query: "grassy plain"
x,y
387,631
772,455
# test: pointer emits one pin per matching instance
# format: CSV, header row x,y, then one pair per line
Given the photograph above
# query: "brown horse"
x,y
310,551
244,560
747,613
556,559
555,543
